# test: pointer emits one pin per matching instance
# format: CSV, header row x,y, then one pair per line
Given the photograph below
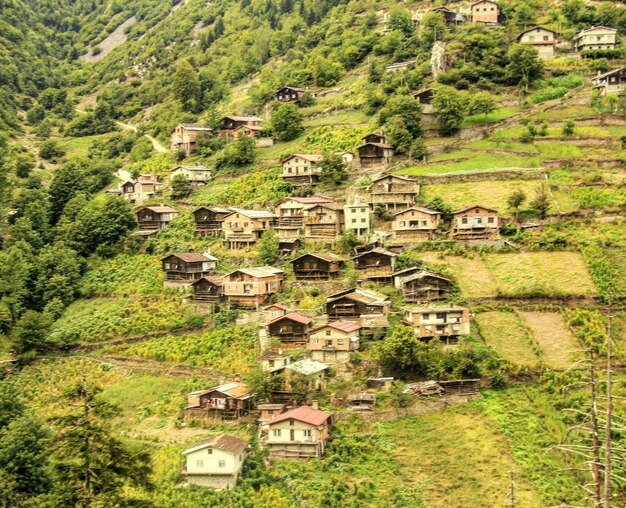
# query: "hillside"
x,y
107,349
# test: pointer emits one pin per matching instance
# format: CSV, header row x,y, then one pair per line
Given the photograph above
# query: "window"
x,y
363,220
479,220
210,451
328,332
340,342
426,316
464,220
270,412
276,432
199,463
402,223
362,210
291,423
424,223
306,433
221,463
353,221
490,220
546,38
317,341
441,315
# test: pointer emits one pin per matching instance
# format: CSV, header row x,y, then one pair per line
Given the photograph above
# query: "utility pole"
x,y
609,404
512,490
595,449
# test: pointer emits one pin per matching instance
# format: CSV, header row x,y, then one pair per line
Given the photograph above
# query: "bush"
x,y
50,150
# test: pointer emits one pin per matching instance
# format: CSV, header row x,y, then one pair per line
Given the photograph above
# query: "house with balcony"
x,y
215,462
446,323
292,94
333,343
375,152
290,214
227,401
323,221
187,267
299,433
415,224
612,82
231,124
542,39
301,169
208,220
243,228
596,38
354,304
292,329
197,175
393,192
138,191
419,285
376,263
152,219
251,287
358,218
475,223
208,289
317,266
184,136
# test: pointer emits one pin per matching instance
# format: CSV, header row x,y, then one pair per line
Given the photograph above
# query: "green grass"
x,y
514,146
475,162
125,275
77,148
559,151
340,118
496,116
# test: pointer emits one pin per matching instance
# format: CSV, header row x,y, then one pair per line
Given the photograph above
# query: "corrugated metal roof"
x,y
305,414
307,367
293,316
230,444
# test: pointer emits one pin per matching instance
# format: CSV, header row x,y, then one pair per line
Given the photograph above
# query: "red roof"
x,y
305,414
309,200
293,316
276,306
345,326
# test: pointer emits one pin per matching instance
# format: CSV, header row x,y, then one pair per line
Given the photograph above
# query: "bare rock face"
x,y
438,59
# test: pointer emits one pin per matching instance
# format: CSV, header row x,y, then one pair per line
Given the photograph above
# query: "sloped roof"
x,y
191,168
307,367
307,157
398,177
254,214
308,200
293,316
331,205
192,257
377,250
326,256
535,28
366,296
294,88
474,206
216,209
379,145
217,280
195,127
276,306
159,209
422,274
609,73
258,271
418,209
250,127
593,28
342,326
424,310
235,390
229,444
244,118
305,414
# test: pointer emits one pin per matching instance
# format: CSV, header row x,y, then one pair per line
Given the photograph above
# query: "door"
x,y
292,435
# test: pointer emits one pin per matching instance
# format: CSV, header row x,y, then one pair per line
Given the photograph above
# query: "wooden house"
x,y
215,462
290,214
542,39
252,287
361,401
358,218
475,223
419,285
185,135
446,323
323,221
187,266
268,412
612,82
230,400
290,94
312,373
415,224
273,311
275,362
197,175
138,191
352,304
230,124
451,18
425,98
334,342
292,330
209,220
375,152
316,266
596,38
243,228
152,219
301,169
299,433
486,12
208,289
252,131
394,192
375,263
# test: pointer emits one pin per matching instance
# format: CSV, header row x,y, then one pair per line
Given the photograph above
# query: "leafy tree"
x,y
186,86
439,205
35,115
406,108
433,29
268,250
419,149
307,100
482,103
44,129
11,404
333,169
515,201
400,20
524,66
141,150
286,122
181,186
239,153
449,106
541,202
402,351
31,331
376,71
50,150
398,135
568,128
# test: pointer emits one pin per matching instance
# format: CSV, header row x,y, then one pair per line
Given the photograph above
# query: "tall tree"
x,y
286,122
449,106
186,86
524,66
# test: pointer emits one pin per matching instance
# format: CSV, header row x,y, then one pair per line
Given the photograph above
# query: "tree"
x,y
449,106
482,103
434,29
186,86
541,202
406,108
400,20
524,65
286,122
181,187
307,99
268,250
50,150
398,135
31,331
568,128
240,153
515,201
333,169
91,465
402,351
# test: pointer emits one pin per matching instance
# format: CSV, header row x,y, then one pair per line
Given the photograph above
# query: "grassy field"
x,y
491,193
514,146
77,148
496,116
505,332
560,348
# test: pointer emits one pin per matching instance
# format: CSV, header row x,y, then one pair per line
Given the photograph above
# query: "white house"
x,y
198,175
215,462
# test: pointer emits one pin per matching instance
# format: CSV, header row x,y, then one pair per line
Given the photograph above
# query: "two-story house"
x,y
231,124
197,175
415,224
292,329
290,94
230,400
184,136
243,228
393,192
419,285
358,218
451,18
308,374
542,39
375,152
290,214
299,433
301,169
485,12
208,289
208,220
152,219
323,221
596,38
475,223
446,323
273,311
352,304
332,343
138,191
375,263
215,462
612,82
186,267
316,266
252,287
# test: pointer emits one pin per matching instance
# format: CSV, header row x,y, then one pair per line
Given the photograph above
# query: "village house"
x,y
188,266
292,330
612,82
334,342
316,266
215,462
596,38
452,18
486,12
393,192
230,124
208,289
375,263
352,304
542,39
208,220
152,219
268,412
425,98
290,94
252,287
415,224
301,169
273,311
140,190
275,362
446,323
227,401
419,285
299,433
252,131
323,221
290,214
375,152
307,371
197,175
243,228
358,218
185,135
475,223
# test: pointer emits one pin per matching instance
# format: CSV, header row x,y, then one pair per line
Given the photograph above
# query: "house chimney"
x,y
315,404
237,378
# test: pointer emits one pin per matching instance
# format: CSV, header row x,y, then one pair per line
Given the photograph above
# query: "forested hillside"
x,y
124,122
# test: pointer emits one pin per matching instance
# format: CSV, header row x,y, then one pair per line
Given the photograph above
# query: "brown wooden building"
x,y
230,124
209,220
301,169
475,223
227,401
292,330
317,266
375,263
290,94
415,224
290,214
375,152
208,289
185,135
323,221
354,303
252,287
187,266
394,192
419,285
243,228
152,219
